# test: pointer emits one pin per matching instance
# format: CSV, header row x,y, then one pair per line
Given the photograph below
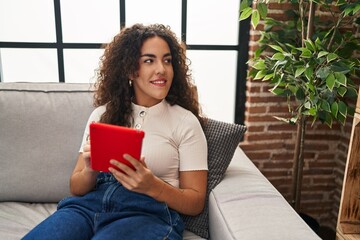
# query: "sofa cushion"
x,y
222,139
32,118
17,219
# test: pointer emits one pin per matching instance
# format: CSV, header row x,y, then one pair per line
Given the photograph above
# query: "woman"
x,y
143,83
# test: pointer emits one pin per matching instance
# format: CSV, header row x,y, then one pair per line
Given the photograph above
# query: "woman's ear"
x,y
132,76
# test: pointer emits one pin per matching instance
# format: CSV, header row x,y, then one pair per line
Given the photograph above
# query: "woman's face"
x,y
155,74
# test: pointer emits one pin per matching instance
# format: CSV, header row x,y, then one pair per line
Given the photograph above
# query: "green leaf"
x,y
268,76
323,72
341,119
351,111
311,87
309,73
278,91
342,108
331,56
277,48
341,78
260,75
351,92
341,67
262,8
246,13
328,120
300,95
257,53
292,88
325,106
278,56
299,71
318,44
255,18
310,45
259,65
356,9
348,11
243,5
322,53
330,82
342,91
334,109
306,53
312,111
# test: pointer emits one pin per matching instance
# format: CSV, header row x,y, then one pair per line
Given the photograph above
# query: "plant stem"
x,y
302,19
311,16
335,29
298,163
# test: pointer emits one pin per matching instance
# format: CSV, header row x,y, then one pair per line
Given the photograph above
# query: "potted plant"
x,y
311,64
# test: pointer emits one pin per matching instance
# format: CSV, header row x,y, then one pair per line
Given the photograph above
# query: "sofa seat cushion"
x,y
17,219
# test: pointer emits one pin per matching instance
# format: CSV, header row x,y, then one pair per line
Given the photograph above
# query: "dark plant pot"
x,y
311,222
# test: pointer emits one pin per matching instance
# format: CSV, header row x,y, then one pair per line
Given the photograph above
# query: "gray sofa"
x,y
41,126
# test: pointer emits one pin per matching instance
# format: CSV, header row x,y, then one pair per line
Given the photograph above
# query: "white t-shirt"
x,y
174,140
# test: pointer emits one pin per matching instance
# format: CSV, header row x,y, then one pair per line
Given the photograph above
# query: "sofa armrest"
x,y
245,205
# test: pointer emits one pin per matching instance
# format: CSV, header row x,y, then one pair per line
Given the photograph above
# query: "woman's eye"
x,y
148,61
168,60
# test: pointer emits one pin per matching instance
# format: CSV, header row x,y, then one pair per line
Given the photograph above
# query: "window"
x,y
60,41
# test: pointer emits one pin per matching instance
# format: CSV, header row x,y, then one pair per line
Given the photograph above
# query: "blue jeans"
x,y
110,212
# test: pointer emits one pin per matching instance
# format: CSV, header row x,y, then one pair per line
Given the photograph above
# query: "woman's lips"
x,y
159,82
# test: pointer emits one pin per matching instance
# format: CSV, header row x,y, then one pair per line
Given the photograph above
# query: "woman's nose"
x,y
160,70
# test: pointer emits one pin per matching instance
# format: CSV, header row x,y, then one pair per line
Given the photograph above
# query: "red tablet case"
x,y
112,142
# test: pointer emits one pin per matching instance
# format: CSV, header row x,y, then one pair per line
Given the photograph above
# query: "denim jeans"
x,y
110,212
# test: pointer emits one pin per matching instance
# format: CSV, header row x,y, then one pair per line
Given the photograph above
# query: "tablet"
x,y
112,142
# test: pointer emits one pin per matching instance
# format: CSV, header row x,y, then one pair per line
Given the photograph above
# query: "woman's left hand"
x,y
139,180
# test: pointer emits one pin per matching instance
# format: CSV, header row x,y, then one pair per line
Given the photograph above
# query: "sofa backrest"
x,y
41,127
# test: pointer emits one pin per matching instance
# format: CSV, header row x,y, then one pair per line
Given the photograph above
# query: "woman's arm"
x,y
188,199
83,178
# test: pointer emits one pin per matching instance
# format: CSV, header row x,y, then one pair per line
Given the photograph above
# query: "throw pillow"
x,y
222,140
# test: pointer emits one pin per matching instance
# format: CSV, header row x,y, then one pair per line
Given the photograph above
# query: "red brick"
x,y
279,108
257,110
269,99
265,119
260,146
271,136
322,164
320,136
282,6
282,127
255,128
277,165
322,156
317,146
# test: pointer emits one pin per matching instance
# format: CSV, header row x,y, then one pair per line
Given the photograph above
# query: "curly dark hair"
x,y
121,60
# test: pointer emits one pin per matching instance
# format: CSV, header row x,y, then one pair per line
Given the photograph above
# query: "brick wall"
x,y
270,144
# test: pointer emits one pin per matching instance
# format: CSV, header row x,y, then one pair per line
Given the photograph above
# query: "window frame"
x,y
242,49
